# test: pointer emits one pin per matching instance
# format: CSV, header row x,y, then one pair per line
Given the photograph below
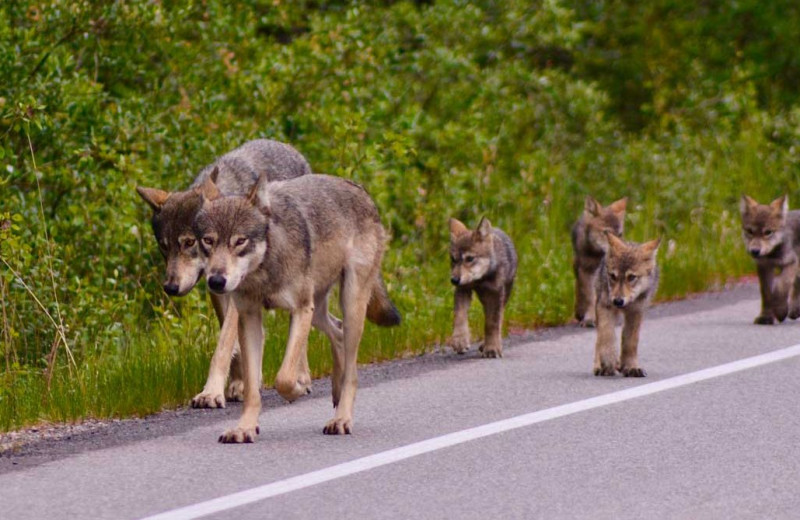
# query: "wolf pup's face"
x,y
173,215
630,269
471,252
763,226
599,219
233,238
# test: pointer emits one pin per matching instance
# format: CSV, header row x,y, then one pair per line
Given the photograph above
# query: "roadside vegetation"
x,y
510,109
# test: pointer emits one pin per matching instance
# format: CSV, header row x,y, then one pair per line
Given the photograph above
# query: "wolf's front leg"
x,y
493,323
766,275
585,296
213,394
605,357
460,339
251,335
783,291
794,296
293,379
629,361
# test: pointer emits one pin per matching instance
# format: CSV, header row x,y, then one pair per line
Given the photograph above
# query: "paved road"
x,y
724,447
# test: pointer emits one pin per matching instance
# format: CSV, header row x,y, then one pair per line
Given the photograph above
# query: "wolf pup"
x,y
285,246
234,173
627,281
589,246
483,261
772,236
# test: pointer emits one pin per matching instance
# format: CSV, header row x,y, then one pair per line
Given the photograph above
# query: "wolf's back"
x,y
240,168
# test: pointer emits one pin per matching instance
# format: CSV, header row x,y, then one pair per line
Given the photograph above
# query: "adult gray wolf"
x,y
483,261
234,173
285,245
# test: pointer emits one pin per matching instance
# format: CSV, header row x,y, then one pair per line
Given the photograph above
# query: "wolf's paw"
x,y
633,372
491,352
605,370
587,322
208,400
296,389
794,312
460,343
764,320
781,313
338,426
239,435
235,390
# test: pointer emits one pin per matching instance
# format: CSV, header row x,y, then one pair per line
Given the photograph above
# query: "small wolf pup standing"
x,y
627,281
589,245
483,261
772,237
285,246
234,173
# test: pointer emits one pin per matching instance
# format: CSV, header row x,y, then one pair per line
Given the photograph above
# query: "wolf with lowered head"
x,y
626,283
772,236
483,261
285,245
234,173
589,246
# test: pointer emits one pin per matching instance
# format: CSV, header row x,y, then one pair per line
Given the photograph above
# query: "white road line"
x,y
451,439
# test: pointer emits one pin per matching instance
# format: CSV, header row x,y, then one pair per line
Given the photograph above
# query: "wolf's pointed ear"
x,y
457,228
618,207
651,248
746,204
262,203
214,174
781,204
156,198
592,207
614,242
484,229
208,189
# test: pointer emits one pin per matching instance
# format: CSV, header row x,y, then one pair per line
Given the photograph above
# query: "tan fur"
x,y
285,245
589,245
626,282
483,261
771,235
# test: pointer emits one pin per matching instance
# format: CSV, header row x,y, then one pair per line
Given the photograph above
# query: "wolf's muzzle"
x,y
171,288
216,283
755,252
619,302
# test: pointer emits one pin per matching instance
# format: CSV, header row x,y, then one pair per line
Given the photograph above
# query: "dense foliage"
x,y
506,108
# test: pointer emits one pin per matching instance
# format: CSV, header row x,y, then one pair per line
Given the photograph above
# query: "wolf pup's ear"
x,y
214,174
155,198
651,248
618,207
592,207
209,190
781,204
746,204
261,202
457,228
614,242
484,230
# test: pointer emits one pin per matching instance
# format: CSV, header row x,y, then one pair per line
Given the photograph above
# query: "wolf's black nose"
x,y
619,302
216,282
755,252
171,288
455,280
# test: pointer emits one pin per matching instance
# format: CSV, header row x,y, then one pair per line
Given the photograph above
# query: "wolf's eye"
x,y
189,242
241,241
208,241
632,278
613,277
768,233
469,259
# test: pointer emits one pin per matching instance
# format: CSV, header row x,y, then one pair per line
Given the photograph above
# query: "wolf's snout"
x,y
216,282
455,280
755,252
619,302
171,288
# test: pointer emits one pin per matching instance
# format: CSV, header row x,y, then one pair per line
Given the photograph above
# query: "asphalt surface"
x,y
725,447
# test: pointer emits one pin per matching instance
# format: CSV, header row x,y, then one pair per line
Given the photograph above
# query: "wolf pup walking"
x,y
589,245
234,173
772,236
285,245
483,261
627,281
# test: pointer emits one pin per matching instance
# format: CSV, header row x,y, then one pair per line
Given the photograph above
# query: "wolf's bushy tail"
x,y
380,309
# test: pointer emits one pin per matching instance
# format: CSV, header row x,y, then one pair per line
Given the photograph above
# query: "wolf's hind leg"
x,y
605,357
585,297
332,328
213,394
794,297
